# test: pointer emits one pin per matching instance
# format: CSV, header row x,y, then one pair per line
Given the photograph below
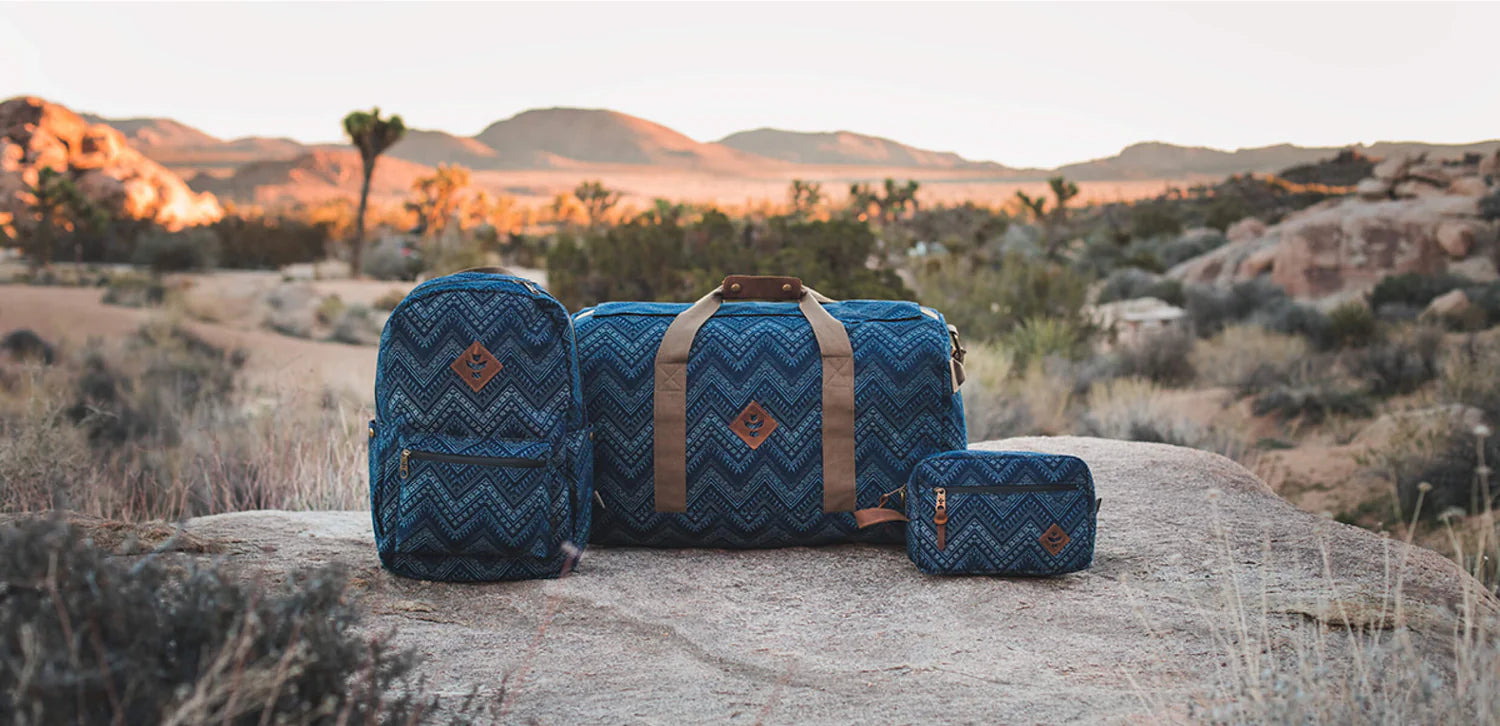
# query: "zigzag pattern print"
x,y
1001,532
770,495
485,483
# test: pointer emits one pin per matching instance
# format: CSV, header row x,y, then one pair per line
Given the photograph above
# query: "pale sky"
x,y
1021,84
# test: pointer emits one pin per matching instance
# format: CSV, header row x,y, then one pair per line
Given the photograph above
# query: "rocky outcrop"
x,y
855,633
1411,216
35,134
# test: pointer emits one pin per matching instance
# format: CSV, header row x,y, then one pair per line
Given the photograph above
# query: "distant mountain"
x,y
1158,160
313,176
845,147
596,136
597,140
155,132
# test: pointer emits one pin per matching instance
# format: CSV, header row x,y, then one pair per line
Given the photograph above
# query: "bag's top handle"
x,y
670,396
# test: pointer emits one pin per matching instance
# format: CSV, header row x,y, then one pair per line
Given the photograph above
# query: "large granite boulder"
x,y
35,134
1189,543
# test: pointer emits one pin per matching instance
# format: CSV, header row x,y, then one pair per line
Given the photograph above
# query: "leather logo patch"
x,y
753,425
477,366
1054,540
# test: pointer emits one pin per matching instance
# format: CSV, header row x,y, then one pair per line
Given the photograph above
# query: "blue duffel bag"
x,y
763,415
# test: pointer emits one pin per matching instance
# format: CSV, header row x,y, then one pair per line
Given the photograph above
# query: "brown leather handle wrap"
x,y
669,400
756,287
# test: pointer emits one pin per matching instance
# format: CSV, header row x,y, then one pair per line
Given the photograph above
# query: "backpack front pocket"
x,y
481,498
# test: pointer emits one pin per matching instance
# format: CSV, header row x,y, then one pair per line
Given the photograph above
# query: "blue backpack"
x,y
480,453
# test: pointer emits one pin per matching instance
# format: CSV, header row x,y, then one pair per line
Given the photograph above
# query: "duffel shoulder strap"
x,y
669,400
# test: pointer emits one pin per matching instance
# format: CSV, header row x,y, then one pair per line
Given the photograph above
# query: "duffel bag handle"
x,y
669,400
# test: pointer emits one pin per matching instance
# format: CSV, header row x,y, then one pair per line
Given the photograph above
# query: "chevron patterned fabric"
x,y
480,455
770,494
1002,508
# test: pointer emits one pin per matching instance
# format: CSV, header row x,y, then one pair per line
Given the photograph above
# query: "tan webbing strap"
x,y
838,404
669,401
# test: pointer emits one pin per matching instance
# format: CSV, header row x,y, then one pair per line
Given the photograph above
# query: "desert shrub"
x,y
1232,356
1311,403
1037,339
457,256
135,290
393,257
1134,409
1211,308
1484,305
1153,219
986,302
1412,289
1162,357
196,248
1285,316
1400,364
159,427
356,325
330,309
1128,283
1192,244
1467,377
1442,471
1352,325
1489,206
87,638
389,299
23,345
269,243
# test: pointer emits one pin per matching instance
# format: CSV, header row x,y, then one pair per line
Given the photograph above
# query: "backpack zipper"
x,y
1016,489
507,461
940,517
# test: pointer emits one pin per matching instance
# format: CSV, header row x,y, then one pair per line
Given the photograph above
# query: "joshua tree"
x,y
805,196
372,135
54,205
1036,206
897,199
438,202
596,200
1063,190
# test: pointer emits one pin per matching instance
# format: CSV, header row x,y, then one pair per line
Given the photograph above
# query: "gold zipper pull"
x,y
940,517
405,457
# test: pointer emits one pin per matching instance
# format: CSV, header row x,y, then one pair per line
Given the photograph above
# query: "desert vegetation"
x,y
1393,381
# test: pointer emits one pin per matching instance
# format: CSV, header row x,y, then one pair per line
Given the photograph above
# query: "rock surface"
x,y
35,134
1350,244
854,634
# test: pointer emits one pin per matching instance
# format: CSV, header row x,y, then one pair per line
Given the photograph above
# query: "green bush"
x,y
1153,219
1489,206
1129,283
1311,403
1412,290
196,248
1191,245
1037,339
986,302
393,258
135,290
1211,308
87,638
389,299
263,243
1161,358
1401,364
1352,325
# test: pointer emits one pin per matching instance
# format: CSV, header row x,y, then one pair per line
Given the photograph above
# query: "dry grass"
x,y
1343,666
140,429
1235,353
